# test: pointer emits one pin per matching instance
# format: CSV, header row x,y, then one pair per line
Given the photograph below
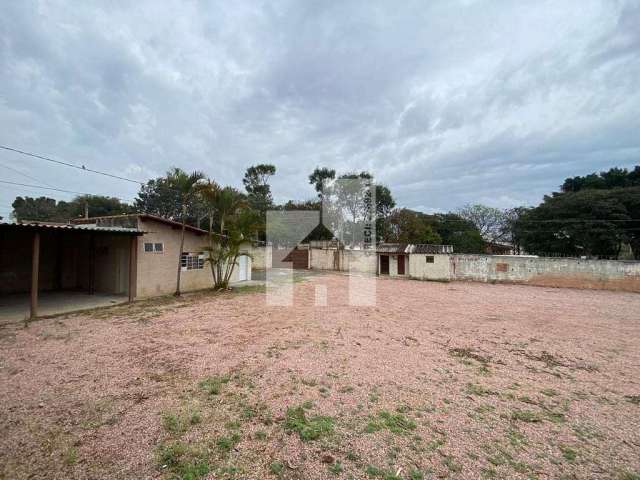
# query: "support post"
x,y
35,270
133,253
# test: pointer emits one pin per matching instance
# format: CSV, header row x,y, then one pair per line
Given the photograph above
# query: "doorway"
x,y
400,264
384,264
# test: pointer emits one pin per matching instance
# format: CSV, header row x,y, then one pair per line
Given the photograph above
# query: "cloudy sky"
x,y
447,102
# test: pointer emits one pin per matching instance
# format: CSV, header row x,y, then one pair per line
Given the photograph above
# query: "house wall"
x,y
157,272
438,270
393,264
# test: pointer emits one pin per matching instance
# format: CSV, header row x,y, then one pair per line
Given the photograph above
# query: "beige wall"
x,y
262,258
393,264
438,270
157,272
343,260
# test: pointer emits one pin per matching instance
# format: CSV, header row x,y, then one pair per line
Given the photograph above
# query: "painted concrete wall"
x,y
552,272
157,272
262,257
438,270
343,260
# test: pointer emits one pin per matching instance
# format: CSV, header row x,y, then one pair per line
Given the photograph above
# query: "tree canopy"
x,y
49,209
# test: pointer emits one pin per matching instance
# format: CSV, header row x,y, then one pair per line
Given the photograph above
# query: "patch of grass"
x,y
178,423
261,435
479,390
468,353
635,399
310,428
516,438
346,389
71,456
450,463
549,392
568,453
182,461
225,444
527,416
629,476
488,472
309,382
396,423
373,471
276,467
374,396
336,468
213,384
307,404
416,475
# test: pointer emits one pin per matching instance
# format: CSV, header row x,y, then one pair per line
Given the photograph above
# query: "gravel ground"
x,y
457,380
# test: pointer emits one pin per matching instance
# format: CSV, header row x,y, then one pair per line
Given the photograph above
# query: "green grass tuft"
x,y
308,428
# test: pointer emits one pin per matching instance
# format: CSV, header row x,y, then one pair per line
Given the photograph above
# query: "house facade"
x,y
157,254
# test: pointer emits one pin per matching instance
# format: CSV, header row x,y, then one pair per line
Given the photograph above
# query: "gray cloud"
x,y
446,102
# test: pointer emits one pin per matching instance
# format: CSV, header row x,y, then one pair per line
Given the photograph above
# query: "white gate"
x,y
242,268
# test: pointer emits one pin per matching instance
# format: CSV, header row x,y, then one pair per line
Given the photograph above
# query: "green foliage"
x,y
407,226
182,461
526,416
589,222
613,178
276,467
48,209
396,423
308,428
256,182
225,444
213,384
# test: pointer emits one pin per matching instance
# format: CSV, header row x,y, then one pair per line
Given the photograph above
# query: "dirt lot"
x,y
456,380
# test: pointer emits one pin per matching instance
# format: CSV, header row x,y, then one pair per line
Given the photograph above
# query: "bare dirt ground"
x,y
456,380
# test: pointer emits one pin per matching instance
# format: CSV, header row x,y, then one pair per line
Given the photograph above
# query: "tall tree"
x,y
256,182
492,223
612,178
461,234
183,184
407,226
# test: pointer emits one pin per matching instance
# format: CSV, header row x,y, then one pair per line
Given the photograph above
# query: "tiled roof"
x,y
428,248
400,248
393,248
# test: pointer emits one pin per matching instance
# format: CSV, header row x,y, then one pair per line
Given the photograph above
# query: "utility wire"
x,y
24,174
56,189
79,167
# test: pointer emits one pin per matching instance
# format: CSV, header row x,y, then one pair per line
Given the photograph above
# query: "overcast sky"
x,y
446,102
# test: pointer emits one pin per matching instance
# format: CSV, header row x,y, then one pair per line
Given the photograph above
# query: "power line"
x,y
67,164
57,189
24,174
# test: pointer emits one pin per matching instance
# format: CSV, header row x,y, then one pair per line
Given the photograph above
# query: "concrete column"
x,y
35,270
133,263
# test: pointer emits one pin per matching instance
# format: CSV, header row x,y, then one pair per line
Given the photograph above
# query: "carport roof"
x,y
67,226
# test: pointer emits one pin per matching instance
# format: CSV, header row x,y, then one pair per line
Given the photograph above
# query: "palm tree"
x,y
234,223
183,184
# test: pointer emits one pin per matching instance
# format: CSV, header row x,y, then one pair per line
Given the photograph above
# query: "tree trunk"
x,y
177,294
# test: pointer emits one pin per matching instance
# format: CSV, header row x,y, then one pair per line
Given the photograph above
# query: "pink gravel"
x,y
82,396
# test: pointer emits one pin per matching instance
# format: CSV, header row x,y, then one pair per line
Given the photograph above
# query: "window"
x,y
154,247
192,261
430,258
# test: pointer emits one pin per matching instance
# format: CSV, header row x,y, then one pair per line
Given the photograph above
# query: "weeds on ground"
x,y
396,423
213,385
308,428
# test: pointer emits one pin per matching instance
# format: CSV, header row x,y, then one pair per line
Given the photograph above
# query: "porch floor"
x,y
15,308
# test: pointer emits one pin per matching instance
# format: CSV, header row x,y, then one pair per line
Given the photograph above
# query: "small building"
x,y
413,260
157,254
48,268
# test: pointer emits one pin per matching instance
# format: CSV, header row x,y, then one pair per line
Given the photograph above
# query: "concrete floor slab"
x,y
15,308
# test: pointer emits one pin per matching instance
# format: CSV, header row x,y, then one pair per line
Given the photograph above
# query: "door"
x,y
400,264
242,268
384,264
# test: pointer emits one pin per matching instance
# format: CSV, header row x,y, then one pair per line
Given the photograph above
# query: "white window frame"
x,y
191,261
154,248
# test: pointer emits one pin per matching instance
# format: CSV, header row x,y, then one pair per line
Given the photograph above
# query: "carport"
x,y
48,268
